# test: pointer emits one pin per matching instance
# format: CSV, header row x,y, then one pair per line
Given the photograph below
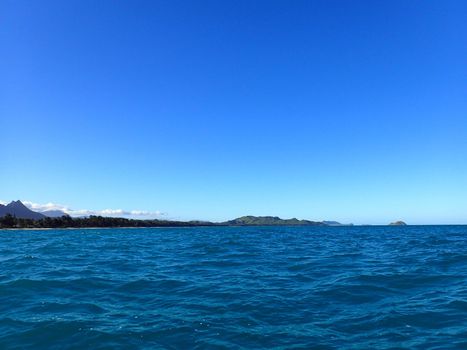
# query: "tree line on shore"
x,y
10,221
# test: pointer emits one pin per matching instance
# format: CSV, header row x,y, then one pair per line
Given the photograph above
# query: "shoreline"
x,y
89,228
211,226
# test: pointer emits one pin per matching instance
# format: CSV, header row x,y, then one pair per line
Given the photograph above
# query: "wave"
x,y
227,287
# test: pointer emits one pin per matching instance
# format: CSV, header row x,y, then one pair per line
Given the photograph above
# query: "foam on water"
x,y
226,287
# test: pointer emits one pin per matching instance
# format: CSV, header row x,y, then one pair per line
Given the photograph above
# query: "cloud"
x,y
86,212
146,213
44,207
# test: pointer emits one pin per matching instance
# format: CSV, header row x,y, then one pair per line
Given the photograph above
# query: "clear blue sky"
x,y
343,110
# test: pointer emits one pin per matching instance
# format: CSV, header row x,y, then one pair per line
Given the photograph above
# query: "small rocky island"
x,y
398,223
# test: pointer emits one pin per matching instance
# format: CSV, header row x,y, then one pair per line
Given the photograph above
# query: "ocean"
x,y
374,287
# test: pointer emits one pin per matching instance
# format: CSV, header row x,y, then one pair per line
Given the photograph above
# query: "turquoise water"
x,y
233,288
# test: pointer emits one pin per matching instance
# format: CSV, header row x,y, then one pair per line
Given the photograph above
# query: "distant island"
x,y
398,223
271,221
17,215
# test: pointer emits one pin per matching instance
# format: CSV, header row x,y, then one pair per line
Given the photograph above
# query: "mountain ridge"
x,y
19,210
53,213
250,220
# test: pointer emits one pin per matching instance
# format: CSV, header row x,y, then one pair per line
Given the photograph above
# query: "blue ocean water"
x,y
235,288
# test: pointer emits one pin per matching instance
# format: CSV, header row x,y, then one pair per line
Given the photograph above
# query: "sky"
x,y
354,111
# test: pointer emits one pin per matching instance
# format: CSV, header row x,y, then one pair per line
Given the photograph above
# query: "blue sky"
x,y
342,110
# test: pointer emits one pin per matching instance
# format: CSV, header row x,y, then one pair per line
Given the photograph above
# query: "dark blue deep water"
x,y
235,288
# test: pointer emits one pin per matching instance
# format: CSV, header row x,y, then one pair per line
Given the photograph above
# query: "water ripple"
x,y
241,288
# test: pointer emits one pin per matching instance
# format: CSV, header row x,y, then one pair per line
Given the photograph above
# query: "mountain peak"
x,y
16,203
18,209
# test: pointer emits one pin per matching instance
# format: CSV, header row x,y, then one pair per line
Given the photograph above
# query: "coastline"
x,y
212,226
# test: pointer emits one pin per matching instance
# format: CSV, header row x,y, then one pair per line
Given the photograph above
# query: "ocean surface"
x,y
234,288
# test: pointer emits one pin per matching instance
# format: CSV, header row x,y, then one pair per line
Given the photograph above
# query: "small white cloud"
x,y
146,213
113,212
44,207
